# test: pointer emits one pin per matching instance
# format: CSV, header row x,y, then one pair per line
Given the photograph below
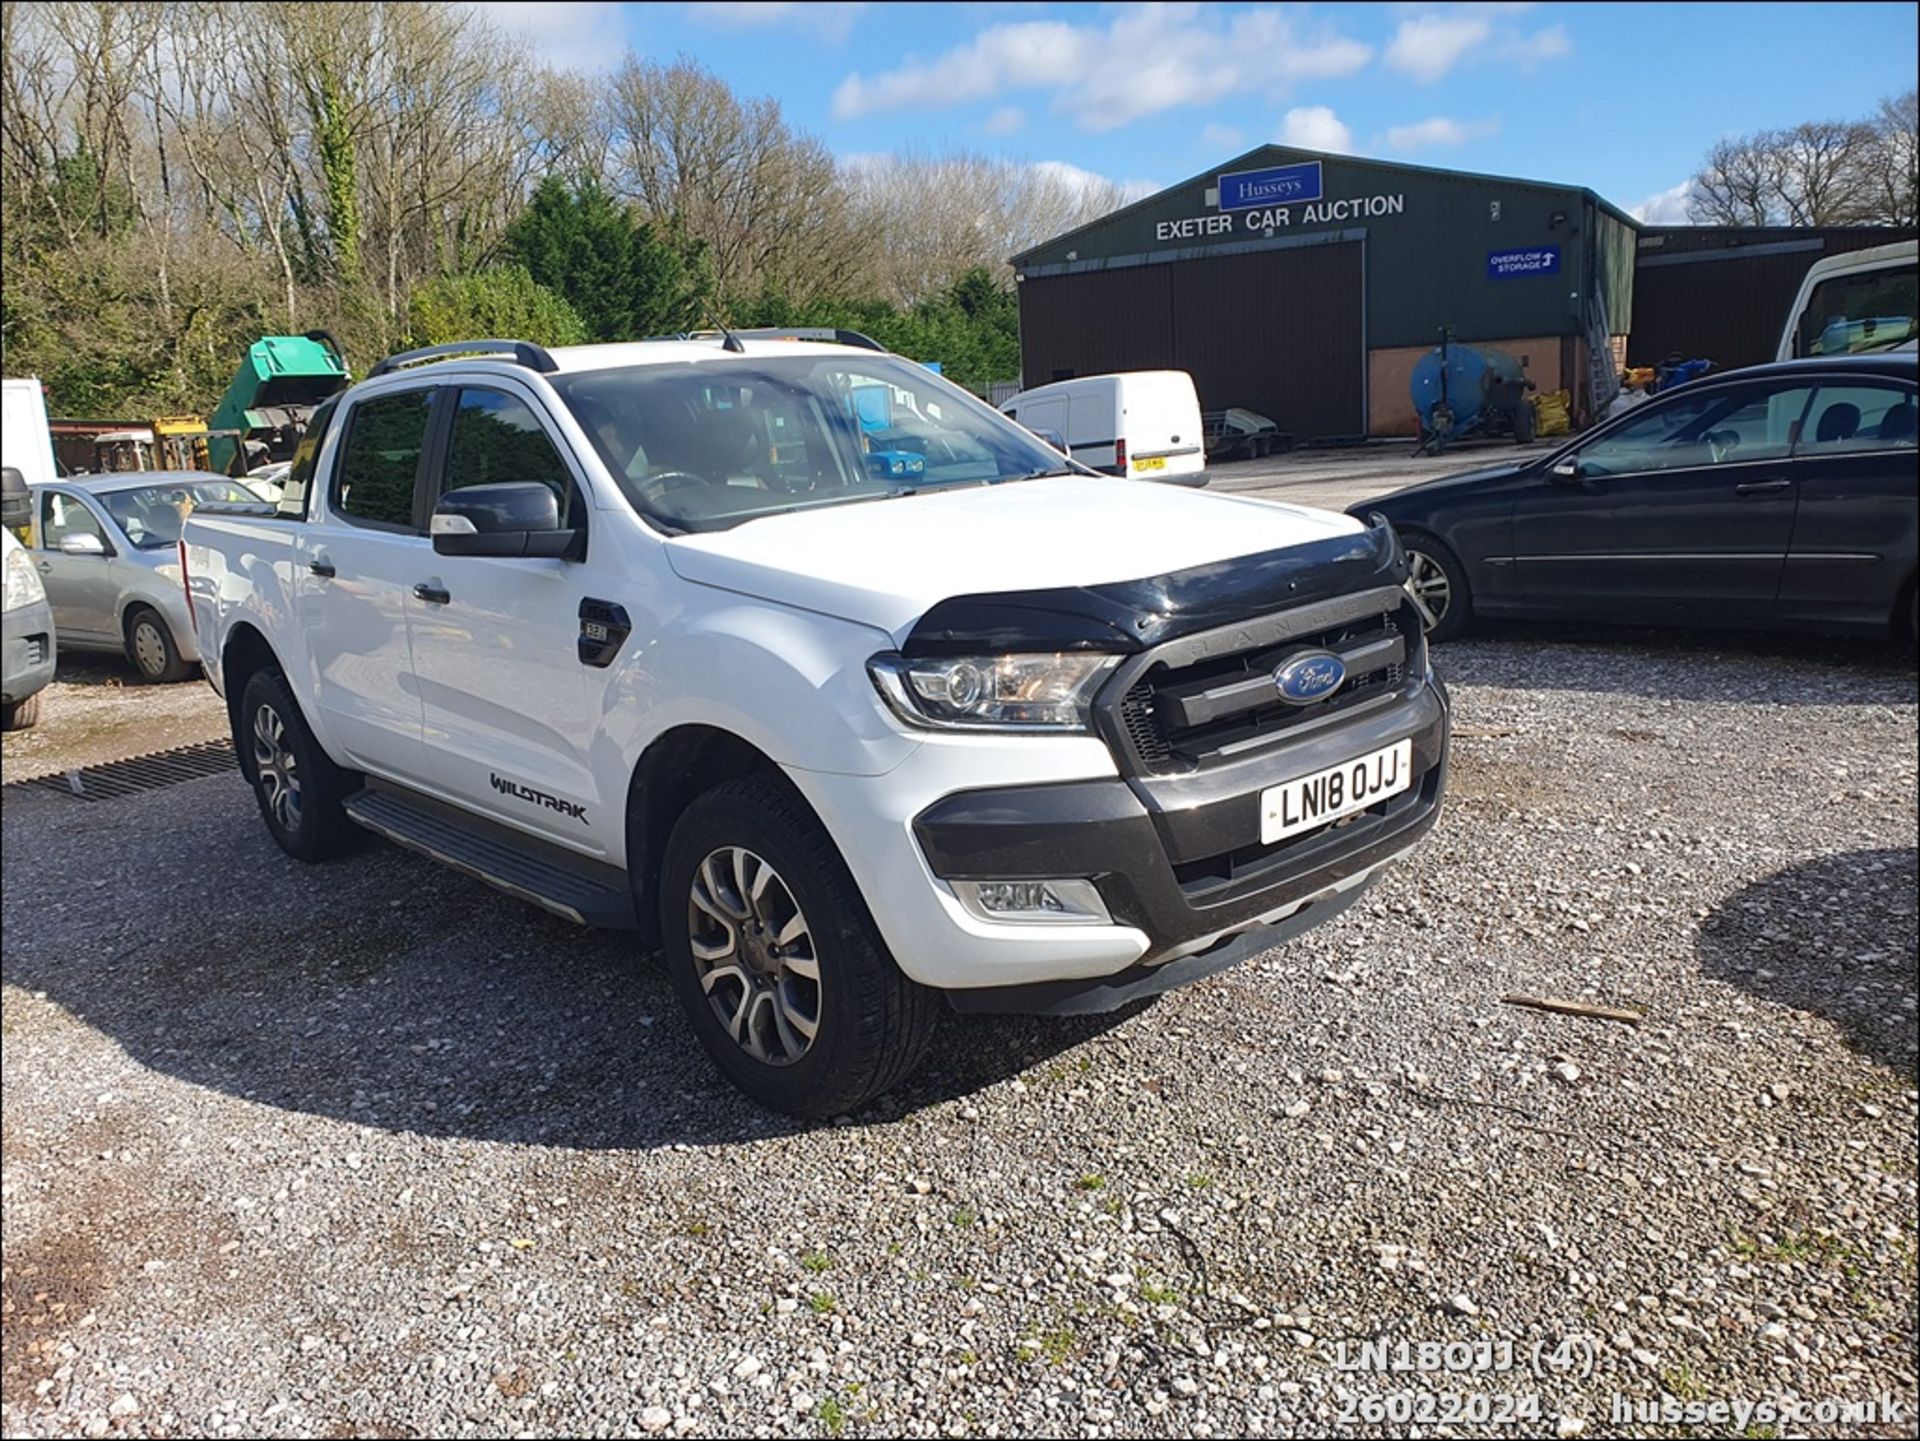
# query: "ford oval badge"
x,y
1311,676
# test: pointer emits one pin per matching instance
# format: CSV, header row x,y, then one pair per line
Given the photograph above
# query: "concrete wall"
x,y
1390,376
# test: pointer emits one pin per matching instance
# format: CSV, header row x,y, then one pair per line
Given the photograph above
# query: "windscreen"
x,y
152,515
1852,314
710,445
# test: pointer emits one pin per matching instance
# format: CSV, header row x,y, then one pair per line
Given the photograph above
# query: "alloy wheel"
x,y
1429,588
754,955
277,767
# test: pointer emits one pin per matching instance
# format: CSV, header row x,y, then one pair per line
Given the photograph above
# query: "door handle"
x,y
322,568
1760,487
432,594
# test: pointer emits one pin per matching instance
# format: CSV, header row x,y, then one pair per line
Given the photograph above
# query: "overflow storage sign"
x,y
1513,264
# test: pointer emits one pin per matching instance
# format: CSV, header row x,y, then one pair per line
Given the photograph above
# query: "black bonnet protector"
x,y
1122,617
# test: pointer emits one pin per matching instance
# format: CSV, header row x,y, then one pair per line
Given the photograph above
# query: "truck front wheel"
x,y
776,960
298,787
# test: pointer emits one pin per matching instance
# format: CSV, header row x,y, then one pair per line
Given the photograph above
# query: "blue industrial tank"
x,y
1460,388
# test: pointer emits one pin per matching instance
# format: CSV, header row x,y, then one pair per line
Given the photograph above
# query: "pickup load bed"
x,y
651,635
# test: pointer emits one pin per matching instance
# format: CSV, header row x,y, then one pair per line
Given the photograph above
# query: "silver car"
x,y
107,550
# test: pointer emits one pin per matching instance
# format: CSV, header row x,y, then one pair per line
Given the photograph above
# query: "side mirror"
x,y
82,545
16,501
1053,438
1568,469
512,518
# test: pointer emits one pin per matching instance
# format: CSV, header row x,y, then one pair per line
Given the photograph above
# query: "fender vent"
x,y
139,773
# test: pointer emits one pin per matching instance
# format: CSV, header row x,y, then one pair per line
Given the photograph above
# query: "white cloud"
x,y
1005,121
1221,138
1081,181
1668,207
1315,127
1529,50
1145,60
1428,45
829,20
1439,130
587,35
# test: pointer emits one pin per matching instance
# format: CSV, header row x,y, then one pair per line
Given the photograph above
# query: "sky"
x,y
1624,99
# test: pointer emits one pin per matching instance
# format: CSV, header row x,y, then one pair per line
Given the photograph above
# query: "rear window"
x,y
298,480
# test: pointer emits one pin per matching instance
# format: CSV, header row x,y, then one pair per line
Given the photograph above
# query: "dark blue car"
x,y
1778,496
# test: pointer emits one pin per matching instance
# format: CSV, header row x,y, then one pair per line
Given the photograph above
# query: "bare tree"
x,y
1893,183
770,205
941,215
1821,172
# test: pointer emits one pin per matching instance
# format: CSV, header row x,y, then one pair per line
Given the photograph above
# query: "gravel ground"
x,y
97,710
371,1150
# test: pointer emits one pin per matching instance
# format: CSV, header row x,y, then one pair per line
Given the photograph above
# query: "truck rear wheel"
x,y
299,789
776,960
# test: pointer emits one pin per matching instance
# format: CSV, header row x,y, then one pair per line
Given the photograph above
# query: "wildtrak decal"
x,y
539,798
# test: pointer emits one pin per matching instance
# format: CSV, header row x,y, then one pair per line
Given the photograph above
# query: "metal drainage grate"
x,y
140,773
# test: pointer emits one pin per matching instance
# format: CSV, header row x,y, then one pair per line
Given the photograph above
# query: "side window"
x,y
373,483
1861,416
293,492
1713,427
498,438
62,515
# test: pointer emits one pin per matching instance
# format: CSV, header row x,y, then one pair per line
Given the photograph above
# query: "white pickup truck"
x,y
847,693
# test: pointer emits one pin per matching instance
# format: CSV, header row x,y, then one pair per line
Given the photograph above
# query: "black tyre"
x,y
778,964
1438,584
1524,419
21,714
151,649
298,788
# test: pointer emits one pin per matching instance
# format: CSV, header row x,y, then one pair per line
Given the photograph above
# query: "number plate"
x,y
1301,805
1150,462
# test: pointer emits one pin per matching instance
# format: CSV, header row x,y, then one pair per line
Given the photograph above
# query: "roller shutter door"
x,y
1281,332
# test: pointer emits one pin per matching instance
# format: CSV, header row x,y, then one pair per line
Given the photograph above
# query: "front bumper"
x,y
26,651
1176,857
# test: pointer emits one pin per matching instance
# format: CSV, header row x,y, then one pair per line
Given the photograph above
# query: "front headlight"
x,y
23,581
993,692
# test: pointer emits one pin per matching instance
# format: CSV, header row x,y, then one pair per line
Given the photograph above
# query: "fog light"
x,y
1025,902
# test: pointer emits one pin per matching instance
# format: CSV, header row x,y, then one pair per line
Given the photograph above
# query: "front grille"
x,y
1180,714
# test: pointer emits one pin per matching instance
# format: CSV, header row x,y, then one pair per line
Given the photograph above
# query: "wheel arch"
x,y
677,766
246,653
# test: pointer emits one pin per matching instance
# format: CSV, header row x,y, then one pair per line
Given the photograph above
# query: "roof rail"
x,y
521,352
812,332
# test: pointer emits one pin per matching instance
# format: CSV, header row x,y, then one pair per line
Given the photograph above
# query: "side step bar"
x,y
585,892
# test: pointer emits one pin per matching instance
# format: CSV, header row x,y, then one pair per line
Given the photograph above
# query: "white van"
x,y
1857,301
1141,423
25,442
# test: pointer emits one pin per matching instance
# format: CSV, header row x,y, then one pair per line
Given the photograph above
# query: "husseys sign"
x,y
1280,197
